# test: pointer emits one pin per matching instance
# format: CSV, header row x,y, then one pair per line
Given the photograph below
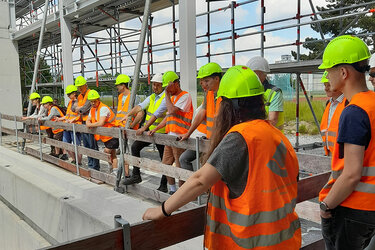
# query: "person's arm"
x,y
276,106
147,125
85,108
137,119
53,113
161,125
99,123
348,180
197,184
199,118
172,109
132,112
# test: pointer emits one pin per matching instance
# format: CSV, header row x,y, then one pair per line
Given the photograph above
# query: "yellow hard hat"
x,y
70,89
34,95
80,81
46,99
93,95
122,79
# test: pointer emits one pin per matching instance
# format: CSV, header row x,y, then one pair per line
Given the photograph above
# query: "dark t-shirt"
x,y
354,128
231,160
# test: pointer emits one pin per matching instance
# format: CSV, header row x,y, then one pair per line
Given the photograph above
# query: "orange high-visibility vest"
x,y
363,196
70,114
264,216
179,122
331,131
55,131
122,110
81,101
109,122
212,107
203,127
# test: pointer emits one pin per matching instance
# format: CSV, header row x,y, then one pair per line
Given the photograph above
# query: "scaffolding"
x,y
105,45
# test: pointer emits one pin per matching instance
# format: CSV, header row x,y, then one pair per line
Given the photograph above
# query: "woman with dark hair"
x,y
251,172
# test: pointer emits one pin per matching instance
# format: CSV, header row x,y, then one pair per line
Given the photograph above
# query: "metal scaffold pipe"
x,y
37,58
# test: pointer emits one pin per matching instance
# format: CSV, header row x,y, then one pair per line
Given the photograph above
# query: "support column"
x,y
10,82
66,44
188,61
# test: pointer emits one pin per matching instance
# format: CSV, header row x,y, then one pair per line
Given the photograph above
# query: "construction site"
x,y
51,203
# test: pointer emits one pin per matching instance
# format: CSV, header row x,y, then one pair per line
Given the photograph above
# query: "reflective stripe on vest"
x,y
363,196
81,101
152,107
212,107
72,115
329,134
179,122
263,217
55,131
109,122
269,94
203,127
122,110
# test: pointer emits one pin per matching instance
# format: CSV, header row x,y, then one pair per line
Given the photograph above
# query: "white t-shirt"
x,y
184,104
196,132
104,111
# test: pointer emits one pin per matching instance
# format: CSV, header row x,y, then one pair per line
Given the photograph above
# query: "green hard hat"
x,y
34,95
240,81
168,77
80,81
209,69
324,77
344,49
70,89
93,95
122,79
46,99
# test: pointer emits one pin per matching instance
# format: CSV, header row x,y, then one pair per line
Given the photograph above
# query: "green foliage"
x,y
304,110
303,129
333,28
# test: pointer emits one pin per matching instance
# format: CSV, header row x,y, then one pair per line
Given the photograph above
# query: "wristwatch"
x,y
324,207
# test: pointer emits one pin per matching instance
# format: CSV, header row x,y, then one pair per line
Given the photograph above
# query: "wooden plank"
x,y
114,132
309,188
316,245
58,162
158,167
111,239
169,231
64,145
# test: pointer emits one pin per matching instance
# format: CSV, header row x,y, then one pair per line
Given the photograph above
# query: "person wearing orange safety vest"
x,y
39,110
83,109
347,201
177,122
53,113
330,120
121,84
253,189
71,117
102,116
209,75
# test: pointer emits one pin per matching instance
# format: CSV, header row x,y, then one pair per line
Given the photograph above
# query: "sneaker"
x,y
53,154
163,188
64,157
132,180
172,192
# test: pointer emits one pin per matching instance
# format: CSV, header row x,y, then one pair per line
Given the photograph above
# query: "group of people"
x,y
251,169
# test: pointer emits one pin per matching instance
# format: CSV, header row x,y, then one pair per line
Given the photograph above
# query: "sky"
x,y
245,15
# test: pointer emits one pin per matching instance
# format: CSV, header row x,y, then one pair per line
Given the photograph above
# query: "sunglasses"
x,y
372,74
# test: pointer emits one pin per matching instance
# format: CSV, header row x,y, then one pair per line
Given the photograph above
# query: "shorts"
x,y
112,144
58,136
172,155
68,137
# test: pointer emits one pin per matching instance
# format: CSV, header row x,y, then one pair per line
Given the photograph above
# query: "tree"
x,y
336,27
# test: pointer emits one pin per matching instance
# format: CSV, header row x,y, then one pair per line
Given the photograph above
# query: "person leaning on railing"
x,y
177,122
156,108
101,115
54,112
39,110
71,116
251,172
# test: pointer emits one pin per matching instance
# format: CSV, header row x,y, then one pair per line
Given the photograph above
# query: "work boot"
x,y
64,157
163,188
134,179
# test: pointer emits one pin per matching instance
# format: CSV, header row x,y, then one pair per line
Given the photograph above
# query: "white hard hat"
x,y
372,61
157,78
258,63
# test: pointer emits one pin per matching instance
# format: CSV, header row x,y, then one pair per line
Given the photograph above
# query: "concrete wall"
x,y
61,204
10,83
15,233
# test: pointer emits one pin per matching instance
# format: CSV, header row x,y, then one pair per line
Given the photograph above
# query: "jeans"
x,y
348,228
136,148
187,158
68,137
90,142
